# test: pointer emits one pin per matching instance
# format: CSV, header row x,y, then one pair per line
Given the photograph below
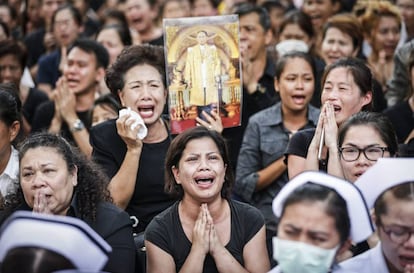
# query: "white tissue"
x,y
143,130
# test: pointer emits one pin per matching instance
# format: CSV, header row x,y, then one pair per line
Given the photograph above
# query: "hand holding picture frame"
x,y
203,66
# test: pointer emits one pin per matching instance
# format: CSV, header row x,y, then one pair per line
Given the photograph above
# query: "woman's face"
x,y
337,44
386,36
293,31
361,137
399,217
320,11
296,85
201,170
343,93
44,172
144,92
307,222
110,39
101,113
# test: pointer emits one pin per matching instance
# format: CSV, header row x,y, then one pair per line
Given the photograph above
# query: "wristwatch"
x,y
77,126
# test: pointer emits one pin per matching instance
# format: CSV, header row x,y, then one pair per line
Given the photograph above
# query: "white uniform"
x,y
370,261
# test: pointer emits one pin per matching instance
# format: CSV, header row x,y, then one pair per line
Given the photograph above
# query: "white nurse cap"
x,y
361,225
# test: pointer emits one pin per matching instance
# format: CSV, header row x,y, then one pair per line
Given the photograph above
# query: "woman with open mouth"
x,y
261,172
205,231
347,89
134,162
342,36
388,188
382,24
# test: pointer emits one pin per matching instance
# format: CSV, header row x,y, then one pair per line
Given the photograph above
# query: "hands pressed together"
x,y
326,129
205,238
40,203
65,105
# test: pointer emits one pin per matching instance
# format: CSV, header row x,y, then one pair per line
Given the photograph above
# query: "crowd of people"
x,y
327,111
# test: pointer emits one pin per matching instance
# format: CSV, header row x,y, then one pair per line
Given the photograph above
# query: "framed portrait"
x,y
203,70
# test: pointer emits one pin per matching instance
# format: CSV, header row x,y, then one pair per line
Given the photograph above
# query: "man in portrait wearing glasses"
x,y
388,187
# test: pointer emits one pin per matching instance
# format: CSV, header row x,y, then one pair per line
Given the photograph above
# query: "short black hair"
x,y
335,207
175,152
132,56
17,49
123,32
77,16
378,121
93,47
247,8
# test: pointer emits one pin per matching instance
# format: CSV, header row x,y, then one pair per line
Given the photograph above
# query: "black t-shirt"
x,y
149,197
166,232
299,145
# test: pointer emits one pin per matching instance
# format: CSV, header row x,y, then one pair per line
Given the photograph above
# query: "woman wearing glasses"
x,y
362,140
347,89
392,198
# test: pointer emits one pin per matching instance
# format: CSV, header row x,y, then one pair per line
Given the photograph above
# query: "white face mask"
x,y
294,257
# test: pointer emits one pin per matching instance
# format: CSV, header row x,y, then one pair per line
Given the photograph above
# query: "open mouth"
x,y
146,111
404,260
72,83
136,21
299,99
337,108
358,174
204,180
316,19
333,58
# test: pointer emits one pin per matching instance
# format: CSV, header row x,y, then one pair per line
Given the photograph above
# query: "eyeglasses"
x,y
350,154
398,235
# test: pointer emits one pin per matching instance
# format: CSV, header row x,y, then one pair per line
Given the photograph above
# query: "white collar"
x,y
12,168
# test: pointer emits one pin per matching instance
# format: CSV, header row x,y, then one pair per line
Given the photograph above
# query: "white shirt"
x,y
9,179
370,261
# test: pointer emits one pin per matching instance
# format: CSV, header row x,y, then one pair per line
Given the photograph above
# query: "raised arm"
x,y
122,185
